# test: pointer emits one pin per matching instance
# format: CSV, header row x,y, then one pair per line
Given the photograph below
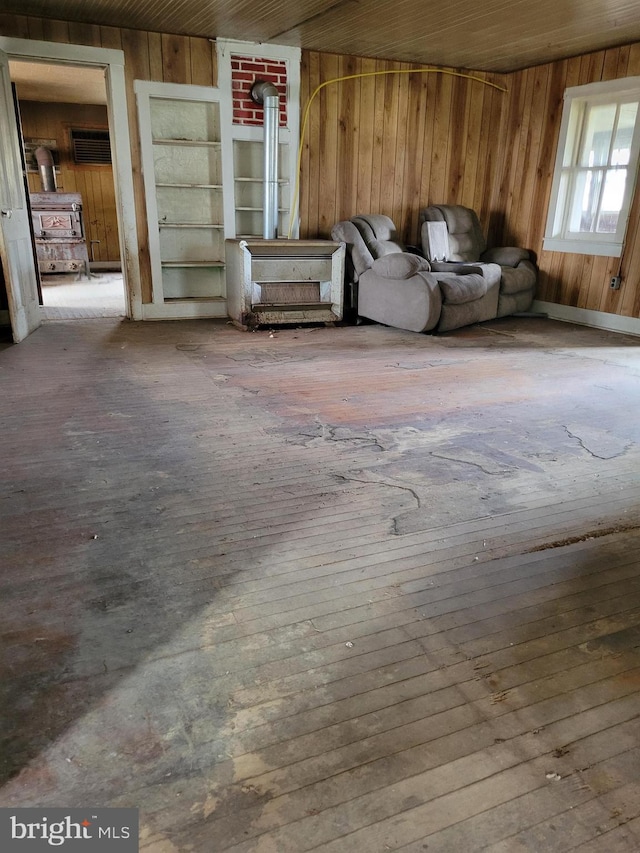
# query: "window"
x,y
595,168
91,147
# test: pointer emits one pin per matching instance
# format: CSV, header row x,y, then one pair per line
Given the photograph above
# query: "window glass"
x,y
624,135
611,205
597,135
585,200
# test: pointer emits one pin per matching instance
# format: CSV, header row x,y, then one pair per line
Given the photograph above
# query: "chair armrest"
x,y
400,265
457,267
412,303
506,256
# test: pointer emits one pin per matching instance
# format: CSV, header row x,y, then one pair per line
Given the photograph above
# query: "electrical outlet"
x,y
614,282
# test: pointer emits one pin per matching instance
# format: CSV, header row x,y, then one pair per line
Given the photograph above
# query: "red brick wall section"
x,y
245,70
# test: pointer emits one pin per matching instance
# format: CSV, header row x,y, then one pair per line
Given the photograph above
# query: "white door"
x,y
16,251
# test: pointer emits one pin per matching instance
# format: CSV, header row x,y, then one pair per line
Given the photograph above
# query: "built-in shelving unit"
x,y
203,182
248,168
188,209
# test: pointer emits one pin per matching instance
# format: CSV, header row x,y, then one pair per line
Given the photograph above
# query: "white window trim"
x,y
592,244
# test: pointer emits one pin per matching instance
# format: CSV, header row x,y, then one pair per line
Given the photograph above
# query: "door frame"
x,y
17,255
113,63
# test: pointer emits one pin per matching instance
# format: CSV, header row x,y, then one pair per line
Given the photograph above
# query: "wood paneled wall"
x,y
95,183
393,144
528,135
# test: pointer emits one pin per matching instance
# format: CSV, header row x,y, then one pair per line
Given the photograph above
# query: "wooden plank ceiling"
x,y
496,35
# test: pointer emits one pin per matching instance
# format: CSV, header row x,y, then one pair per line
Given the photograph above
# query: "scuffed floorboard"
x,y
337,589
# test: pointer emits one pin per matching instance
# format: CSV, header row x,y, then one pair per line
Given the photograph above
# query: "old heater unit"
x,y
61,245
284,281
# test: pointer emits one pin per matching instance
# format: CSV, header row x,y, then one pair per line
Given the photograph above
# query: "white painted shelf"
x,y
202,143
259,180
190,225
176,264
191,186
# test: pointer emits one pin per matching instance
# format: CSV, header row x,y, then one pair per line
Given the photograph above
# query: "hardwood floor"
x,y
336,589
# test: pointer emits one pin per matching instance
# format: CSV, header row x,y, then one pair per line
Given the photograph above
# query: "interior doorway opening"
x,y
66,298
63,112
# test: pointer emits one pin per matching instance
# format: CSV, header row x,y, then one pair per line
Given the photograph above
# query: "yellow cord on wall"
x,y
318,88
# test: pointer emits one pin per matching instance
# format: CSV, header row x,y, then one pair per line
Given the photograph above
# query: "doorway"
x,y
15,248
63,113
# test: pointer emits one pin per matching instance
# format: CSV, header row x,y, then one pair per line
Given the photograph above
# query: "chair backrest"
x,y
466,240
379,233
358,256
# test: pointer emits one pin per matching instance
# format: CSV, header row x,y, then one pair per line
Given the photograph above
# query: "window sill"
x,y
582,247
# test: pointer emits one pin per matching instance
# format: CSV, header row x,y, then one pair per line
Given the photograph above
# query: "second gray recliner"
x,y
463,242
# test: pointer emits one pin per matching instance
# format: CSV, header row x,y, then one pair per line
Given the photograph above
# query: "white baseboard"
x,y
187,309
107,266
584,317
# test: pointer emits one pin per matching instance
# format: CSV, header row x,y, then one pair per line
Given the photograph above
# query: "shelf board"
x,y
192,186
197,142
189,225
259,209
177,264
260,180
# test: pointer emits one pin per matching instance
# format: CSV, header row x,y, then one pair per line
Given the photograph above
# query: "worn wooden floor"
x,y
335,589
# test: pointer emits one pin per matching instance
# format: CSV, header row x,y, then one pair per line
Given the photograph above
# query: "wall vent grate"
x,y
91,147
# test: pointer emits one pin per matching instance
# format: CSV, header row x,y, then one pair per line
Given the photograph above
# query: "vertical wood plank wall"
x,y
94,182
392,144
529,136
395,144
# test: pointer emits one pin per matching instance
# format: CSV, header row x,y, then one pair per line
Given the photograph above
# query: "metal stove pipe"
x,y
266,93
44,159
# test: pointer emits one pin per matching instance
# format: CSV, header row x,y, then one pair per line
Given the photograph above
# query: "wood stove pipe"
x,y
263,92
44,159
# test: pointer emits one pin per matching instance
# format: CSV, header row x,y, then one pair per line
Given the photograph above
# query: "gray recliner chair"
x,y
457,238
393,287
397,288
